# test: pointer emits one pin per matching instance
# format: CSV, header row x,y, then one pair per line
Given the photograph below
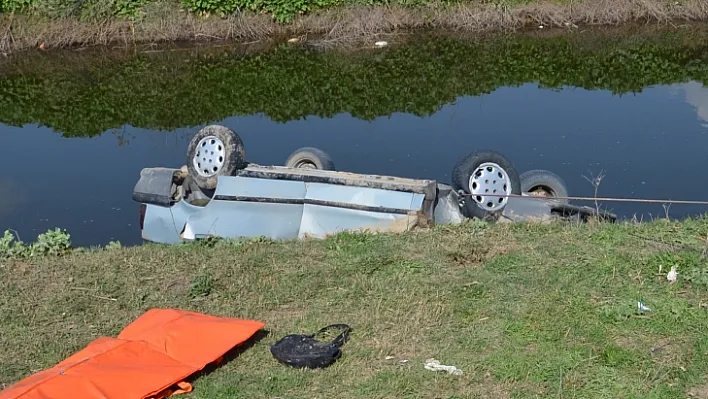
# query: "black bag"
x,y
304,351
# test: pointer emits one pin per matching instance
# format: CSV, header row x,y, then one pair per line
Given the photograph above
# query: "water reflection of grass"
x,y
526,311
175,89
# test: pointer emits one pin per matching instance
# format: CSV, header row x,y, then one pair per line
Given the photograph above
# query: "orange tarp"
x,y
157,351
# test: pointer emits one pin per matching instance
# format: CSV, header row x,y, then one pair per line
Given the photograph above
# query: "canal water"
x,y
75,132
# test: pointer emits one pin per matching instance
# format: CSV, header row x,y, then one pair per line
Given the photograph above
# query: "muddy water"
x,y
75,132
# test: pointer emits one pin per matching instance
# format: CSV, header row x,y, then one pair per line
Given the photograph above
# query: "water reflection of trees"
x,y
289,84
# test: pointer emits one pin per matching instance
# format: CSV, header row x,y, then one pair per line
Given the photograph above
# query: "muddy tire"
x,y
310,158
544,183
214,151
485,172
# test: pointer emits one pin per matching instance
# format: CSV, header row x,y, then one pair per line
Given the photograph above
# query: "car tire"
x,y
547,181
485,172
214,151
310,158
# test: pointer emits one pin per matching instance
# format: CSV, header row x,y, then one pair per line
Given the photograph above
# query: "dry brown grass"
x,y
164,22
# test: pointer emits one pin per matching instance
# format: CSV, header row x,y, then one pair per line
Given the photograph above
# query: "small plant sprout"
x,y
596,181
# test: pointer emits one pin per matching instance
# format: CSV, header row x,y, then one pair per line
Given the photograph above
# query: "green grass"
x,y
524,310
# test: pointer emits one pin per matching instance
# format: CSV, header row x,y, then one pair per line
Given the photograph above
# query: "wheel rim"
x,y
490,178
542,191
209,158
305,165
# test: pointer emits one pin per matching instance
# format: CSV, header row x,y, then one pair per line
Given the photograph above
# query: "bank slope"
x,y
524,310
59,23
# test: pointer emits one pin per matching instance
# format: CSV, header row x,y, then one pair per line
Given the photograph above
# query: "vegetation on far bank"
x,y
525,310
80,95
59,23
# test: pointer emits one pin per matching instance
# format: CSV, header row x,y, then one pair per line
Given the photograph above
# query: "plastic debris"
x,y
294,40
402,361
671,276
381,44
434,365
643,307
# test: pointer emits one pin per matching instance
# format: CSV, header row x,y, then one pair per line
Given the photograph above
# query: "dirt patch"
x,y
699,392
661,350
284,313
492,390
164,22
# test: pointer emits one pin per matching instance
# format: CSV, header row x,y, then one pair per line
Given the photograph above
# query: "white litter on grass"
x,y
434,365
642,307
671,276
381,44
402,361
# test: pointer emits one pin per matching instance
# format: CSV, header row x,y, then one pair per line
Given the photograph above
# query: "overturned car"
x,y
218,193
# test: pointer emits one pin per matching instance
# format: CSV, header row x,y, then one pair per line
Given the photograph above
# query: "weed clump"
x,y
52,243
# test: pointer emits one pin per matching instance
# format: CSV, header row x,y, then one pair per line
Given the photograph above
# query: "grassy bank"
x,y
85,93
60,23
524,310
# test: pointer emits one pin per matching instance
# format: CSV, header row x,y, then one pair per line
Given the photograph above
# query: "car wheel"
x,y
480,176
214,151
310,158
544,183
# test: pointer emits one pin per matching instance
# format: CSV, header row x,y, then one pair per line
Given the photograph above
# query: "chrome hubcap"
x,y
488,181
209,158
